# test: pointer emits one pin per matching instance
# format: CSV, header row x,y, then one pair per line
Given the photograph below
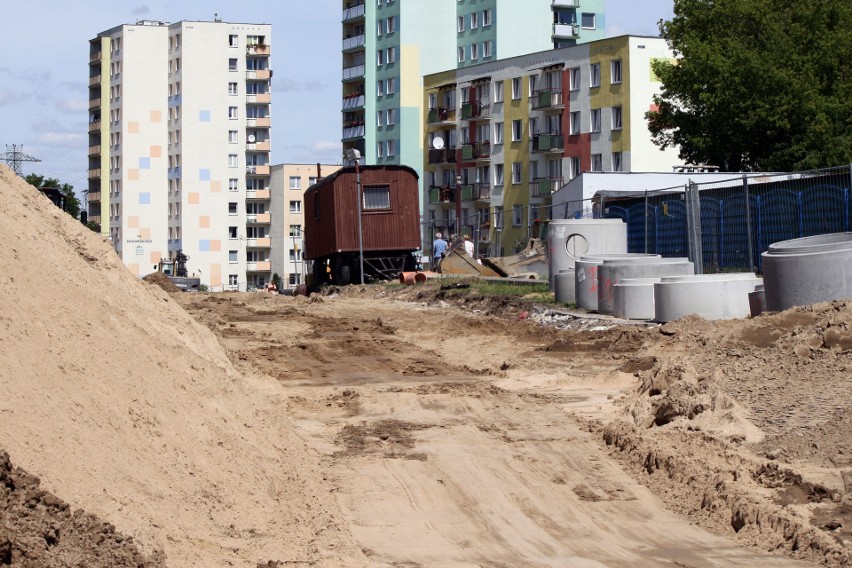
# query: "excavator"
x,y
175,271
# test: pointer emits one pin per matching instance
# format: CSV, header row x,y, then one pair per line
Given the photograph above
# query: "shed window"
x,y
376,197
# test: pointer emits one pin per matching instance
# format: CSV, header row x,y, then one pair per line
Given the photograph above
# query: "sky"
x,y
44,71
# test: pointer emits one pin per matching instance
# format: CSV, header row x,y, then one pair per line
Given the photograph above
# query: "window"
x,y
487,48
595,75
232,113
295,207
380,57
587,21
376,196
498,174
516,88
295,182
391,148
596,120
498,92
574,78
498,132
616,118
232,88
232,161
597,163
232,137
391,54
390,85
575,167
391,25
295,230
232,64
233,40
380,88
380,114
232,208
232,256
474,20
575,123
380,26
461,55
486,18
615,71
233,280
516,172
460,25
474,51
312,180
380,149
617,165
232,232
390,117
517,215
233,184
517,130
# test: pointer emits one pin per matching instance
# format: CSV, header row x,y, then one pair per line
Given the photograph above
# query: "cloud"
x,y
289,85
72,106
8,97
62,139
141,10
326,146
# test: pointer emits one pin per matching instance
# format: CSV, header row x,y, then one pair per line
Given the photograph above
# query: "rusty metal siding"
x,y
336,230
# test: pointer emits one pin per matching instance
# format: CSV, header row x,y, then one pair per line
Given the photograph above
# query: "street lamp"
x,y
354,155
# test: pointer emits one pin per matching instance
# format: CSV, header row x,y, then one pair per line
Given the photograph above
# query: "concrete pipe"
x,y
612,271
564,289
586,272
711,296
633,298
570,239
808,270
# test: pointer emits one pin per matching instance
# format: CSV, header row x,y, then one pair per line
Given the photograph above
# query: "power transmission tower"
x,y
15,156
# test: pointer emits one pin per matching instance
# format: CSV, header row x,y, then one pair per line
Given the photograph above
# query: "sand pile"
x,y
127,408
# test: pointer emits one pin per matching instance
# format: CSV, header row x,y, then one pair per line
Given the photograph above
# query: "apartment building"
x,y
179,146
389,45
502,136
288,183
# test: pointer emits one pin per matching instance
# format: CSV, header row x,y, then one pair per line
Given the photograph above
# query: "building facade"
x,y
179,146
389,45
288,183
501,137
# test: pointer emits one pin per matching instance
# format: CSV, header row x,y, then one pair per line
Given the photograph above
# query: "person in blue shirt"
x,y
439,250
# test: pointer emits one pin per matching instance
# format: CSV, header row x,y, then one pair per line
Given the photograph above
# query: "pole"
x,y
748,224
360,231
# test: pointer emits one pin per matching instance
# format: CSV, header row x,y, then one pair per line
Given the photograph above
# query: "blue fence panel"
x,y
636,228
778,217
711,225
823,210
671,228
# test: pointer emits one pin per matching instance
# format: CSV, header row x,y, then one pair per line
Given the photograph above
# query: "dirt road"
x,y
468,435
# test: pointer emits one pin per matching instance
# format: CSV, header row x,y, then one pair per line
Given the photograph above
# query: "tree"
x,y
757,85
72,204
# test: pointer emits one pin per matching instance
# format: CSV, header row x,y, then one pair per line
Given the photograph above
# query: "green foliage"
x,y
72,204
757,85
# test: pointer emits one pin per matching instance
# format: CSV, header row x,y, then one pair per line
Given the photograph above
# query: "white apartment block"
x,y
179,146
288,183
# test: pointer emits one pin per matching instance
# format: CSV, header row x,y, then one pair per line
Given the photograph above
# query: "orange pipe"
x,y
412,277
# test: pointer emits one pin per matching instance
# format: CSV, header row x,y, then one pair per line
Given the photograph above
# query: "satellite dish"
x,y
438,143
251,138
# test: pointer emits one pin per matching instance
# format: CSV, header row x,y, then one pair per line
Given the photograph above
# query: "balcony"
x,y
354,131
259,74
544,187
353,101
95,150
442,194
255,170
259,218
95,173
354,72
566,4
259,98
442,156
94,103
354,42
254,194
259,122
566,31
476,110
93,197
96,57
264,266
478,151
548,99
264,146
353,12
482,192
258,49
442,115
265,242
548,143
95,126
96,80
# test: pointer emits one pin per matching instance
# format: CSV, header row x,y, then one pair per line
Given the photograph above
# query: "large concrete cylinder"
x,y
569,239
564,289
586,271
633,298
711,296
613,271
807,270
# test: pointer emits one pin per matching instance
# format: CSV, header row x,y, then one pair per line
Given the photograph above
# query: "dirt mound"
x,y
161,280
37,529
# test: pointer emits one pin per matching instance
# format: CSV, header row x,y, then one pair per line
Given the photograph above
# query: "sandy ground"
x,y
402,426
